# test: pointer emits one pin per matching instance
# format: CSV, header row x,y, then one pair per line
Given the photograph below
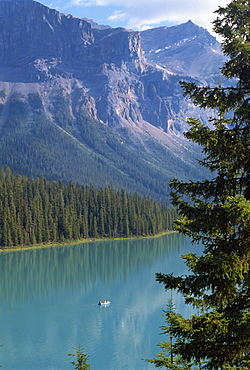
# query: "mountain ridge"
x,y
85,79
172,42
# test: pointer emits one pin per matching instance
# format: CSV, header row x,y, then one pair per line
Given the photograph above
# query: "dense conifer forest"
x,y
35,211
32,144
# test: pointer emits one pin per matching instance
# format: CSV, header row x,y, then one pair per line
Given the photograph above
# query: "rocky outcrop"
x,y
127,80
43,39
185,49
30,31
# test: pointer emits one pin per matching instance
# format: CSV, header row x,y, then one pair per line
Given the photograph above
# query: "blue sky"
x,y
141,14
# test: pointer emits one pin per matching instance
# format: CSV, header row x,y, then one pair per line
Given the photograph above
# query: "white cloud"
x,y
118,16
138,14
92,2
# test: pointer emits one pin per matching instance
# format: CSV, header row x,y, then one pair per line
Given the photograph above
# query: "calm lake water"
x,y
48,303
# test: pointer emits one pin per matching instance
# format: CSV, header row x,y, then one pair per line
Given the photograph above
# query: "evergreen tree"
x,y
166,358
82,358
216,212
125,216
108,211
34,211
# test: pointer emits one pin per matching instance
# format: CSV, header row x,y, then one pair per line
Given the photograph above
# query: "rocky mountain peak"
x,y
32,32
184,49
75,73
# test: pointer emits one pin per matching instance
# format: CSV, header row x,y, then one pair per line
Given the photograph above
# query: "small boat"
x,y
104,303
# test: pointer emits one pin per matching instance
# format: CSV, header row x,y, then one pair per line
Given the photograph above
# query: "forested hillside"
x,y
81,150
35,211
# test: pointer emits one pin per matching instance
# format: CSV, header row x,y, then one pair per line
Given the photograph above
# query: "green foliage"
x,y
35,211
1,108
76,147
216,212
61,111
82,358
168,357
3,93
35,101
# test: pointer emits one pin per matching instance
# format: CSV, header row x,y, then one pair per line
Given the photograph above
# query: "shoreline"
x,y
81,241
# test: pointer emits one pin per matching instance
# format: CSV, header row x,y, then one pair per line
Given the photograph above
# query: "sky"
x,y
141,14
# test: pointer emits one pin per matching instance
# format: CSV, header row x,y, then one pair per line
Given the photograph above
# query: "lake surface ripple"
x,y
49,302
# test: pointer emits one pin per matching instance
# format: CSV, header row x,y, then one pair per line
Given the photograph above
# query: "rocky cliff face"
x,y
32,34
39,44
185,49
126,80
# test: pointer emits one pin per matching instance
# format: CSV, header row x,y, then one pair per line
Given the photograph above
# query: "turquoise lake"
x,y
49,296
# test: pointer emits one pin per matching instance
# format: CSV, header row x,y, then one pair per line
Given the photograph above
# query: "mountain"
x,y
185,49
92,104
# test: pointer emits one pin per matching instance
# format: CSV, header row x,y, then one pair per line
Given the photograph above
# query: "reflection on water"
x,y
35,272
49,302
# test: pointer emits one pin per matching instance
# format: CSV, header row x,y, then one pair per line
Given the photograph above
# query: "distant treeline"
x,y
34,211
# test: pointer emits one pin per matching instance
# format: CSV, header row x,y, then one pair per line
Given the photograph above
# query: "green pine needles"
x,y
216,212
36,211
81,359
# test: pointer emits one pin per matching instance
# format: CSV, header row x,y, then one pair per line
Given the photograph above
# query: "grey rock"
x,y
186,49
128,80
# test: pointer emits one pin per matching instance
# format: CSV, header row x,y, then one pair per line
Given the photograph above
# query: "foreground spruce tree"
x,y
216,213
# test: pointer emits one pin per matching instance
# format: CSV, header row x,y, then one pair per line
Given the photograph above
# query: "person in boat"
x,y
104,302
